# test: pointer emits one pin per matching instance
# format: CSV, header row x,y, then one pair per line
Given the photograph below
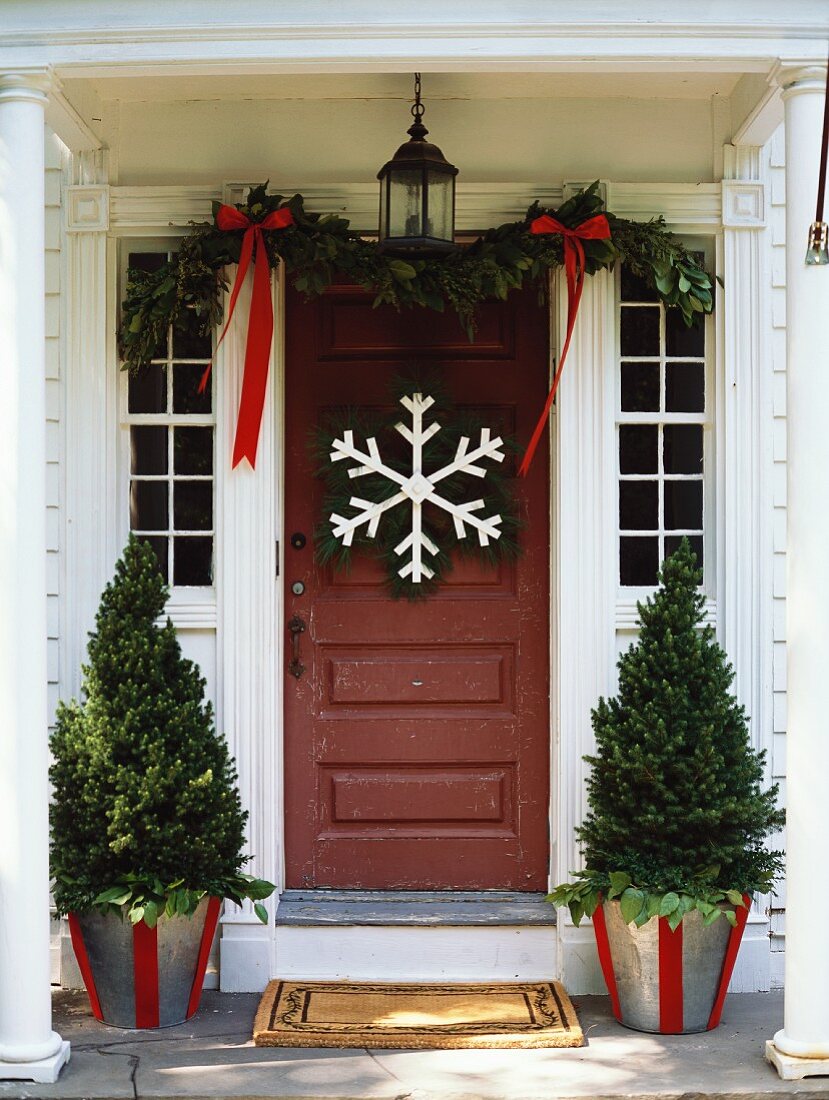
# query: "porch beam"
x,y
801,1048
29,1049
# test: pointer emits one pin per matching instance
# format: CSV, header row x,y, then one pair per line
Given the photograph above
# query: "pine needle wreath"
x,y
395,525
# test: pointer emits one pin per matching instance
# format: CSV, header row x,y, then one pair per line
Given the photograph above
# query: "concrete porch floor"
x,y
213,1057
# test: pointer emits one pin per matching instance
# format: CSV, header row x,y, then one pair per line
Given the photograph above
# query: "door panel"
x,y
417,741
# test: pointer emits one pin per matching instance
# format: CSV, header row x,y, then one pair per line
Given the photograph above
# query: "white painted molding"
x,y
73,130
585,589
249,692
743,203
153,211
86,208
627,615
194,615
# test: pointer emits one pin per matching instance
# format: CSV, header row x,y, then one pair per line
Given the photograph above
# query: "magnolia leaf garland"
x,y
412,488
316,249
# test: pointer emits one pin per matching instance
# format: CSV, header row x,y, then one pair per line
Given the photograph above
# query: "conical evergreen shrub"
x,y
145,809
677,808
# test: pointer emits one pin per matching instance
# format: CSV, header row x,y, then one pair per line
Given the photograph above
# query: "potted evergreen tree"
x,y
674,838
147,826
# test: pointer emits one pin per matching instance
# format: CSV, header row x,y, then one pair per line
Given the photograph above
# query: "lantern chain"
x,y
417,107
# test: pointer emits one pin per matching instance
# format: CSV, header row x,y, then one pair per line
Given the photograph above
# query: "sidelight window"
x,y
663,420
171,451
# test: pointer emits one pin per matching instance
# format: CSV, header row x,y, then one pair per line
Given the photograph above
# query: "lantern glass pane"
x,y
405,214
439,223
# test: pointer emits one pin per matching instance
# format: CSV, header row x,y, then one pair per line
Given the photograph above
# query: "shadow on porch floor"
x,y
212,1056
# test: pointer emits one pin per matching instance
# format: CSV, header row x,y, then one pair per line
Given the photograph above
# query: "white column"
x,y
802,1046
29,1049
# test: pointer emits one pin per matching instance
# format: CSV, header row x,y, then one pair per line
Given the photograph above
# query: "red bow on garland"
x,y
260,323
595,228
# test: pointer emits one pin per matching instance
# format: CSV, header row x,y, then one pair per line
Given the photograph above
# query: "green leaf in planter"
x,y
730,916
258,889
631,903
261,912
116,895
619,881
736,898
675,918
709,918
576,911
136,914
669,904
654,901
151,914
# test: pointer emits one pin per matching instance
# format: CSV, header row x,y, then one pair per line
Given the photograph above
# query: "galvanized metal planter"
x,y
673,983
140,977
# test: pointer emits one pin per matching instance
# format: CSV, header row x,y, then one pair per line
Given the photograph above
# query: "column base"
x,y
795,1069
44,1072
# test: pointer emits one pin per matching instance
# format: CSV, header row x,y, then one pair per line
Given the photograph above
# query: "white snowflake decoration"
x,y
417,488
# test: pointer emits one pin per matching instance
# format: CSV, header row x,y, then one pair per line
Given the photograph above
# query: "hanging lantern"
x,y
417,196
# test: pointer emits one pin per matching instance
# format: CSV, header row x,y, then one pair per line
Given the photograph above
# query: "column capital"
x,y
797,76
29,83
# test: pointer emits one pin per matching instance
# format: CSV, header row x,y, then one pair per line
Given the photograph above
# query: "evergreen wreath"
x,y
346,498
678,817
319,248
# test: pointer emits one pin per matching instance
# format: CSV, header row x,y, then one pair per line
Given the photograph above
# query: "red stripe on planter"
x,y
207,935
145,971
670,978
83,962
606,960
728,963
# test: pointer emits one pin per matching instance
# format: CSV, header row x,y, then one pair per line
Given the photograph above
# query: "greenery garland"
x,y
318,248
395,524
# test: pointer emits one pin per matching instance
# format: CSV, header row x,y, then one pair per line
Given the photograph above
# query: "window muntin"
x,y
171,451
663,412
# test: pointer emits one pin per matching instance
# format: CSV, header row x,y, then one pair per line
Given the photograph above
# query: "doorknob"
x,y
296,625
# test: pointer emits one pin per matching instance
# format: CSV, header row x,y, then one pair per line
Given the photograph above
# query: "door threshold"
x,y
413,908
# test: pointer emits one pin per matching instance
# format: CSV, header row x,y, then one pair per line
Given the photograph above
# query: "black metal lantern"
x,y
417,196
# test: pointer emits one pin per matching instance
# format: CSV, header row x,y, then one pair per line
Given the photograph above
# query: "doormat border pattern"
x,y
281,1018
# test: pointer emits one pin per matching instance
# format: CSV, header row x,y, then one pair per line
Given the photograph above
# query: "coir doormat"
x,y
362,1014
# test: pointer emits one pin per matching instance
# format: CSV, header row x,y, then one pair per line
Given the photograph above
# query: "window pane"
x,y
148,391
640,387
685,387
638,448
193,451
681,340
683,448
147,261
638,561
193,561
148,505
148,450
186,396
193,505
635,289
638,505
187,342
160,546
672,545
683,505
640,330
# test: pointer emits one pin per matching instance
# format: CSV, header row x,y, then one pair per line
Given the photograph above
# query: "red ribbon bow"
x,y
595,228
260,323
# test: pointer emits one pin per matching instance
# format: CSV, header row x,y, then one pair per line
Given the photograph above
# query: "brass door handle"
x,y
296,625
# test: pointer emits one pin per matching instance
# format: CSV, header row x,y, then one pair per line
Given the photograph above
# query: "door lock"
x,y
296,626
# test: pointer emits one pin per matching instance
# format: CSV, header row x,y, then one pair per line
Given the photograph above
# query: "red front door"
x,y
417,739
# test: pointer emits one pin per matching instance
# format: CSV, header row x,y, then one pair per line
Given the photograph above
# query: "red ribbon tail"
x,y
257,358
205,378
575,285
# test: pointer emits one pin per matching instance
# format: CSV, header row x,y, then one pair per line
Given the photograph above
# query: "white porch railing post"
x,y
29,1049
801,1048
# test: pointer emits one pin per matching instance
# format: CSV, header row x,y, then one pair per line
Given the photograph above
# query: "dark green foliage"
x,y
318,248
145,803
677,805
